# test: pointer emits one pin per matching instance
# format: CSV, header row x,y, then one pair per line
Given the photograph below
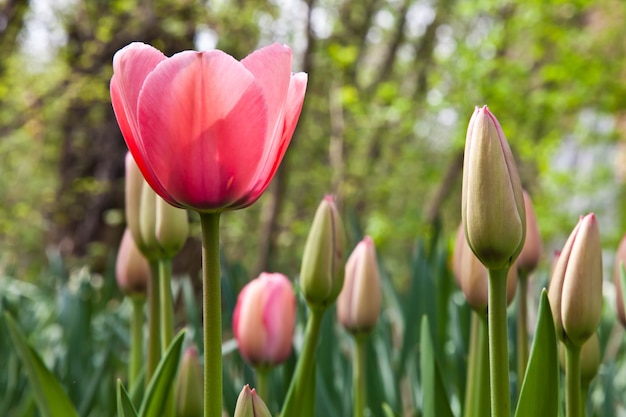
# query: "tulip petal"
x,y
293,107
247,322
279,315
203,117
131,66
271,66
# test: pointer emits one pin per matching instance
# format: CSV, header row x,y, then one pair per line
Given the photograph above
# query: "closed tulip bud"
x,y
492,200
133,193
159,229
531,252
575,291
132,270
358,305
264,320
171,227
189,382
164,228
620,261
473,277
249,404
322,271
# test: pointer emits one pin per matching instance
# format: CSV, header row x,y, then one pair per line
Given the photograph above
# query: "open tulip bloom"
x,y
208,133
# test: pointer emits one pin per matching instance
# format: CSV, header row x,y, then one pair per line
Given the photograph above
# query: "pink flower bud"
x,y
531,252
358,305
576,285
473,277
492,200
264,319
132,270
249,404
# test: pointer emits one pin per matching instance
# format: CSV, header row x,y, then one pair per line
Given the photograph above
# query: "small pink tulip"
x,y
358,304
264,319
473,278
208,132
528,258
132,270
575,291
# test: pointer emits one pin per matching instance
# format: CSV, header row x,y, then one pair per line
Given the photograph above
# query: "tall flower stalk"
x,y
494,222
208,133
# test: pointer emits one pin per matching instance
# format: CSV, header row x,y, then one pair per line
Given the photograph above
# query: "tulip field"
x,y
304,208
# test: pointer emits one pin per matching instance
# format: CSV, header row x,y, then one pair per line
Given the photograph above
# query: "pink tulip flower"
x,y
264,319
208,132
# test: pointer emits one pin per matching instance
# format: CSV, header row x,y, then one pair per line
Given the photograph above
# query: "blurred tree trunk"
x,y
91,167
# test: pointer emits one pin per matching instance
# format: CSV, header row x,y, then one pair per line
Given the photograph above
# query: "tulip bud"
x,y
171,227
322,273
264,319
620,261
473,277
159,228
132,270
133,193
358,305
492,201
575,291
189,382
531,252
249,404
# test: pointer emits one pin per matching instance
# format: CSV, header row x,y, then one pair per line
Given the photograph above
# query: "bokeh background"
x,y
392,85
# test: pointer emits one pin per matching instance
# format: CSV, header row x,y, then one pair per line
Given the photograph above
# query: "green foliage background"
x,y
391,87
392,84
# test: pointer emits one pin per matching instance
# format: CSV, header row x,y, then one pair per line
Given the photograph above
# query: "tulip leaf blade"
x,y
435,401
51,398
388,411
541,382
125,407
162,380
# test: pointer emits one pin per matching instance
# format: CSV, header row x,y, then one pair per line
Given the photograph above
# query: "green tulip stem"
x,y
300,397
498,344
573,400
522,332
212,314
262,382
167,306
167,324
477,386
584,393
154,320
136,340
358,375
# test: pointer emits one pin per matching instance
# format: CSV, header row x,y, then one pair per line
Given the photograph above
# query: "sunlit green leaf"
x,y
162,380
51,399
435,401
539,394
125,407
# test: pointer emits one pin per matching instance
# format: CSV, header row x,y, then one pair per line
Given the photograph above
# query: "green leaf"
x,y
51,399
539,395
435,401
163,378
125,407
388,411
